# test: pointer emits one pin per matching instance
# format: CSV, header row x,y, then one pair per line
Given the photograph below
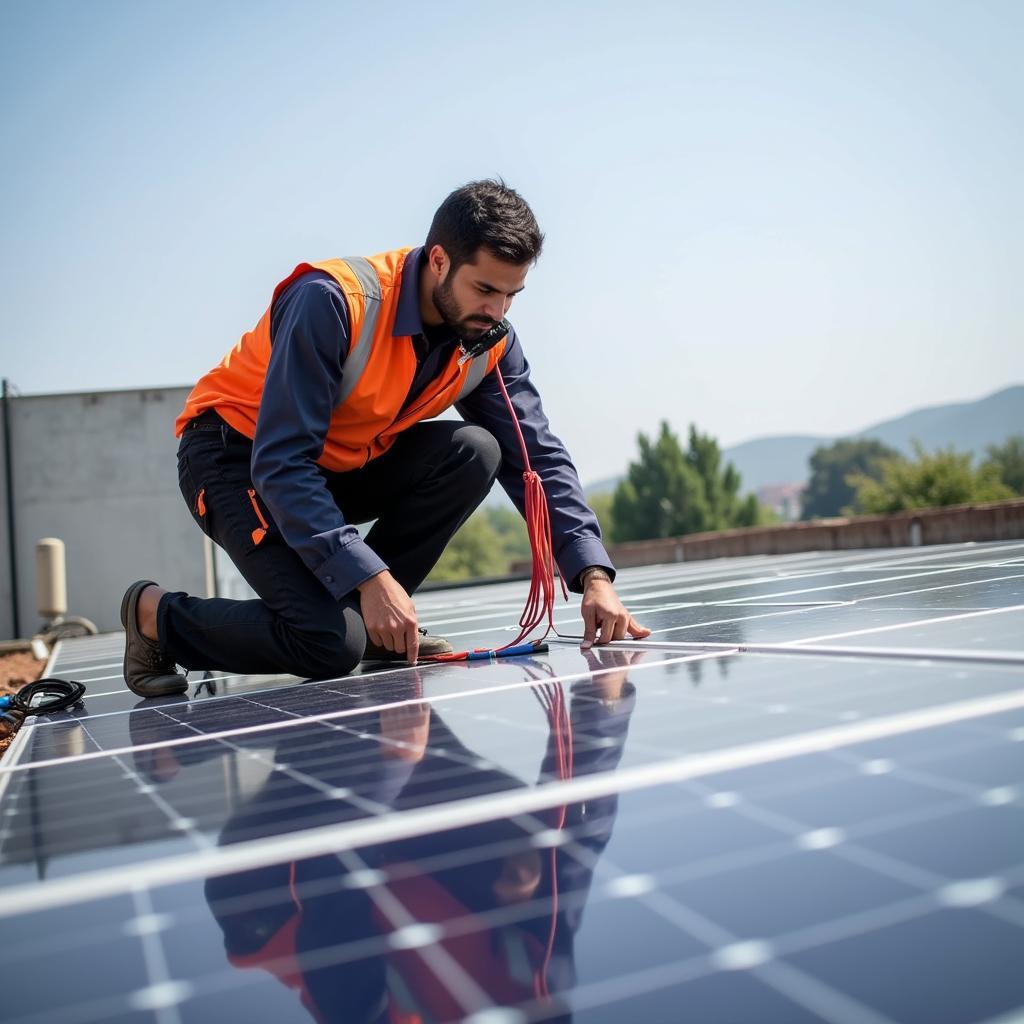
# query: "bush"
x,y
829,489
945,477
1008,459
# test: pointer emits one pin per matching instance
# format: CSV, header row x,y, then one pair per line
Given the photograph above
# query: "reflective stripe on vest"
x,y
477,369
359,353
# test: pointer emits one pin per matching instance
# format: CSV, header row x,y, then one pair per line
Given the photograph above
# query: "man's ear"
x,y
437,260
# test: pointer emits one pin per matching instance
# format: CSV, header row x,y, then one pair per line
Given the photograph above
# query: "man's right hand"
x,y
389,615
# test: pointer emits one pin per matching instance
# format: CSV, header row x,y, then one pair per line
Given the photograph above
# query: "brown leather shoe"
x,y
147,670
429,646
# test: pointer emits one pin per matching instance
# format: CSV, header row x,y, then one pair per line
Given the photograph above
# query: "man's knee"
x,y
481,454
327,653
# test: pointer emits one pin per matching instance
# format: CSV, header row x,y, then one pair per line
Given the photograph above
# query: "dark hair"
x,y
489,215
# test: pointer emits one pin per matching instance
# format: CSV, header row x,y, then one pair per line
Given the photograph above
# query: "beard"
x,y
464,328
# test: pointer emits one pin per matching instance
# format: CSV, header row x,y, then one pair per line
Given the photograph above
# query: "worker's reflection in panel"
x,y
435,927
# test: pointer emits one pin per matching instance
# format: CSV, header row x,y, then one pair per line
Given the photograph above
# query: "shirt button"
x,y
328,579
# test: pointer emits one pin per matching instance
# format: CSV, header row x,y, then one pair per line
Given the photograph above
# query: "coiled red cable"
x,y
540,603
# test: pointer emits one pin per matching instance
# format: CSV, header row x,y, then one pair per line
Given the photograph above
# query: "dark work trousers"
x,y
420,492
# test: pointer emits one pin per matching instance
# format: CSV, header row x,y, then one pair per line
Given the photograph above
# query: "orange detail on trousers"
x,y
261,531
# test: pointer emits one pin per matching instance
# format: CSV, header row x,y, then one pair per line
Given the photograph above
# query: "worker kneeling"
x,y
321,417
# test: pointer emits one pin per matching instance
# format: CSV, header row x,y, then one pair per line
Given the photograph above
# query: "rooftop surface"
x,y
799,800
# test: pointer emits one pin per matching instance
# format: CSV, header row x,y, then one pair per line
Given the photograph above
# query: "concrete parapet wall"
x,y
1001,520
99,471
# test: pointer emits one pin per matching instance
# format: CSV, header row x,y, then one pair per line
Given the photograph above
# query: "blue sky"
x,y
764,217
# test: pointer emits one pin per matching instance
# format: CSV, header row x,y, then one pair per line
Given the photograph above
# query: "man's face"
x,y
477,295
519,878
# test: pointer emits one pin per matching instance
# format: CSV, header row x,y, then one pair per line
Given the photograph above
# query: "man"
x,y
318,419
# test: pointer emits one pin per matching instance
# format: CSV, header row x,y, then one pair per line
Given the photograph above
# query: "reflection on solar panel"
x,y
800,800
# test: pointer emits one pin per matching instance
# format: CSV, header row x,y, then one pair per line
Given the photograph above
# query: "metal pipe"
x,y
12,544
51,579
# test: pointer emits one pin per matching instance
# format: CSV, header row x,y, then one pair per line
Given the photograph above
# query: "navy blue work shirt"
x,y
309,331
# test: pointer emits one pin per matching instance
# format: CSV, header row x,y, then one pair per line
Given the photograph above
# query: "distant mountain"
x,y
965,425
773,460
605,486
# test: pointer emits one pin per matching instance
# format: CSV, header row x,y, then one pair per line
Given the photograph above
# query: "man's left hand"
x,y
605,617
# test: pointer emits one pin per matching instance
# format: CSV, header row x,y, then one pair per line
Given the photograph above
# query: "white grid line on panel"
x,y
182,826
958,617
346,713
791,613
706,624
924,655
157,972
457,813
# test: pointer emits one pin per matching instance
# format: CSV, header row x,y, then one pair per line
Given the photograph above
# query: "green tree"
x,y
750,512
475,550
721,486
1008,458
945,477
510,527
669,492
829,489
662,495
601,506
766,515
705,457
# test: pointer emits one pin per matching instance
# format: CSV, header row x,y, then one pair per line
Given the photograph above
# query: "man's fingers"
x,y
412,643
613,628
636,630
601,626
589,627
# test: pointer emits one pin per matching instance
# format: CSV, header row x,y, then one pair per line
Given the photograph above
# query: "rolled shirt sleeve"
x,y
575,533
310,342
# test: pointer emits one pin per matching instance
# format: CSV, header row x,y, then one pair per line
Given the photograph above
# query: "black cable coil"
x,y
63,693
57,695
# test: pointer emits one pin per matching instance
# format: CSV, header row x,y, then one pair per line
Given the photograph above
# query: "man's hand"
x,y
609,685
408,728
389,615
603,611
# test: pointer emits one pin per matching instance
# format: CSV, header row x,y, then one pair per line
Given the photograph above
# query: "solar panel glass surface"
x,y
799,799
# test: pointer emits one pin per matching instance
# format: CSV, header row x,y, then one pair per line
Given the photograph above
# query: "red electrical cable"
x,y
292,887
552,698
541,602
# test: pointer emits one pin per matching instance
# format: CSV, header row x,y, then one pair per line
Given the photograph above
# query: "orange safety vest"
x,y
376,377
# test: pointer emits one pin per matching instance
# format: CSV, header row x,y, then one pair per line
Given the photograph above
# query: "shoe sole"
x,y
129,608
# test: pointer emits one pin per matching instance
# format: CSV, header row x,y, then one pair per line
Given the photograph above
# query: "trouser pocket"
x,y
217,486
262,527
194,495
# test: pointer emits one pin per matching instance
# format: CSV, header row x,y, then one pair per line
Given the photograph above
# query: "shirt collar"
x,y
408,321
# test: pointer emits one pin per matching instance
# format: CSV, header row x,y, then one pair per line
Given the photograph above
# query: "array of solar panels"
x,y
799,800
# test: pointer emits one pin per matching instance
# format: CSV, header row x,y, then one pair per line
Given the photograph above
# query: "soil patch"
x,y
16,670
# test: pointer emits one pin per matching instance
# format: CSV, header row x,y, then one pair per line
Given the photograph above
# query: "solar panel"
x,y
799,800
